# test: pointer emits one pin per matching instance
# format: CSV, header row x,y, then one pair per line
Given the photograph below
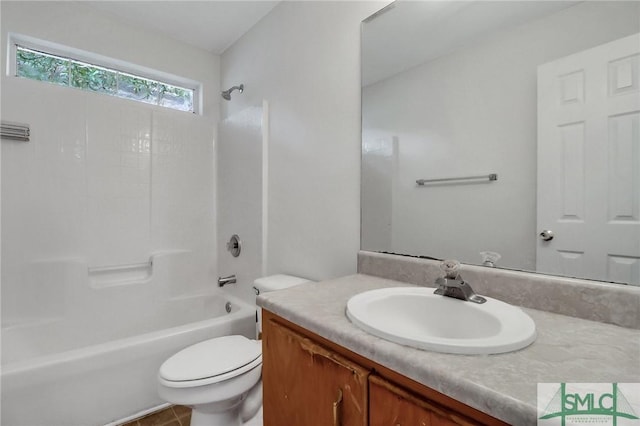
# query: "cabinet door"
x,y
391,405
307,385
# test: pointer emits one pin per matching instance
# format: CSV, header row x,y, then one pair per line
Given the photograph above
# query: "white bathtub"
x,y
47,381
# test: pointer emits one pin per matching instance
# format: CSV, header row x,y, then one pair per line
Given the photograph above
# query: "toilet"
x,y
220,378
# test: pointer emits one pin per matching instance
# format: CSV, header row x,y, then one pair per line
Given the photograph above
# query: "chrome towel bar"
x,y
15,131
490,177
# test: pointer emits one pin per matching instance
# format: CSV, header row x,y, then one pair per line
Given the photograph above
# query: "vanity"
x,y
324,383
320,369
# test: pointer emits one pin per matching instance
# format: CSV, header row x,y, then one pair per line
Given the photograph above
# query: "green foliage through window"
x,y
70,72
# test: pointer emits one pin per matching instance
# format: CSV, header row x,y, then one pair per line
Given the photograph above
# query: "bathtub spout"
x,y
222,281
252,404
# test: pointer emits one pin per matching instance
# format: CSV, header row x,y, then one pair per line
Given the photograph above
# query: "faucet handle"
x,y
450,282
489,258
451,268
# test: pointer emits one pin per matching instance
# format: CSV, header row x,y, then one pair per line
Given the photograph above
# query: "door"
x,y
589,163
306,384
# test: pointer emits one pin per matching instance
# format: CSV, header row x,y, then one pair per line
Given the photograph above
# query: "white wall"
x,y
239,197
473,112
103,181
303,58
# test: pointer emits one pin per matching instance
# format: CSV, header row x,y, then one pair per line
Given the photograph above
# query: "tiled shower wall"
x,y
103,181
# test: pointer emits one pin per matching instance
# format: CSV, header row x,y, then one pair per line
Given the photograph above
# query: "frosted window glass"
x,y
39,66
87,77
42,66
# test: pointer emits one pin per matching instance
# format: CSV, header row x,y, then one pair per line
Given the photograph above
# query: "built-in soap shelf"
x,y
114,275
27,322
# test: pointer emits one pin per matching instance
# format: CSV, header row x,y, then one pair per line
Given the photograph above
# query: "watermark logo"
x,y
566,404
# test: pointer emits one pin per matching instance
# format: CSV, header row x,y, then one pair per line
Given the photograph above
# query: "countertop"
x,y
567,349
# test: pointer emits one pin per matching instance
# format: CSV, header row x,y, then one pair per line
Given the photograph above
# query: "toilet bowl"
x,y
213,377
220,378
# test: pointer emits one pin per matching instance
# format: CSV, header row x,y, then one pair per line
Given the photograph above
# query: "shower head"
x,y
226,94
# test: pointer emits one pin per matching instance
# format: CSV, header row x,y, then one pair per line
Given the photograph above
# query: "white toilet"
x,y
220,378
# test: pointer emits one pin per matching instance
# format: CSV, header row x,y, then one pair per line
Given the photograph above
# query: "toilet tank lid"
x,y
277,282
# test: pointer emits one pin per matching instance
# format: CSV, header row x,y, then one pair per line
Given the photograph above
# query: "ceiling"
x,y
210,25
408,33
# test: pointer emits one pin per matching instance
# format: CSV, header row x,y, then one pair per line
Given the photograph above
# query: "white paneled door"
x,y
589,163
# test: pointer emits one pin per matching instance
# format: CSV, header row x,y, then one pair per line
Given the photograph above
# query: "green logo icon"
x,y
584,405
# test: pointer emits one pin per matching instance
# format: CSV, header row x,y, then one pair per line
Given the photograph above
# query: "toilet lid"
x,y
215,357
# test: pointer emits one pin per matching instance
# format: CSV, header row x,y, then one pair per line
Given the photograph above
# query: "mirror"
x,y
542,95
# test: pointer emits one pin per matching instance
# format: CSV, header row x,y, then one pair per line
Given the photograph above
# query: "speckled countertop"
x,y
567,350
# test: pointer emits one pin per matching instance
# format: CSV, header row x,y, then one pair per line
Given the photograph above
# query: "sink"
x,y
414,316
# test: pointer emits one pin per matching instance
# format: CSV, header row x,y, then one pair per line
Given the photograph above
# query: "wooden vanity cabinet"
x,y
305,384
391,405
310,381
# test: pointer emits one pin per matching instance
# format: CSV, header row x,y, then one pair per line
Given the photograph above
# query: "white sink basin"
x,y
416,317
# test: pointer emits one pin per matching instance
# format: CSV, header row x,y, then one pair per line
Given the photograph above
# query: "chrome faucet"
x,y
452,284
222,281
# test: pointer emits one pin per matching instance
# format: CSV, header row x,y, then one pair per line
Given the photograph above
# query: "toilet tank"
x,y
274,283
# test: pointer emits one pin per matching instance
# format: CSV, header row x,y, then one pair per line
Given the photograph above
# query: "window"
x,y
66,71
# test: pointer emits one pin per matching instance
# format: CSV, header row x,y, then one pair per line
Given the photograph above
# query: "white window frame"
x,y
94,59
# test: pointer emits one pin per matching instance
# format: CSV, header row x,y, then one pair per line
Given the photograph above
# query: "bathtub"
x,y
51,377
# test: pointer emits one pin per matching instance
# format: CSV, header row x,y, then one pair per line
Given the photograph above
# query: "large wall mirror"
x,y
504,133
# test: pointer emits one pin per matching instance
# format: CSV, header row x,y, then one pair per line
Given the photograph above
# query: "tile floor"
x,y
179,415
176,415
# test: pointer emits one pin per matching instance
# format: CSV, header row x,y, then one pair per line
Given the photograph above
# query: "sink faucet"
x,y
452,285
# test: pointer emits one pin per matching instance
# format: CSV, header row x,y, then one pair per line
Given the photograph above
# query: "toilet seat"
x,y
211,361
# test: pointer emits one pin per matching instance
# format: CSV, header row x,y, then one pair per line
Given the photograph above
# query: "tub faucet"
x,y
222,281
452,284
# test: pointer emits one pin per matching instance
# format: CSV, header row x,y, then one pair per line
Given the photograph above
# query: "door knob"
x,y
546,235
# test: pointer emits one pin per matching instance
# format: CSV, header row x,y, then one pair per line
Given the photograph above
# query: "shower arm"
x,y
226,94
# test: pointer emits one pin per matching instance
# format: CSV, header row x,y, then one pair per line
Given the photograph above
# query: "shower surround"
x,y
108,212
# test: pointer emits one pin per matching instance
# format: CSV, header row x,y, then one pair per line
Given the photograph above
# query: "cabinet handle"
x,y
337,409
